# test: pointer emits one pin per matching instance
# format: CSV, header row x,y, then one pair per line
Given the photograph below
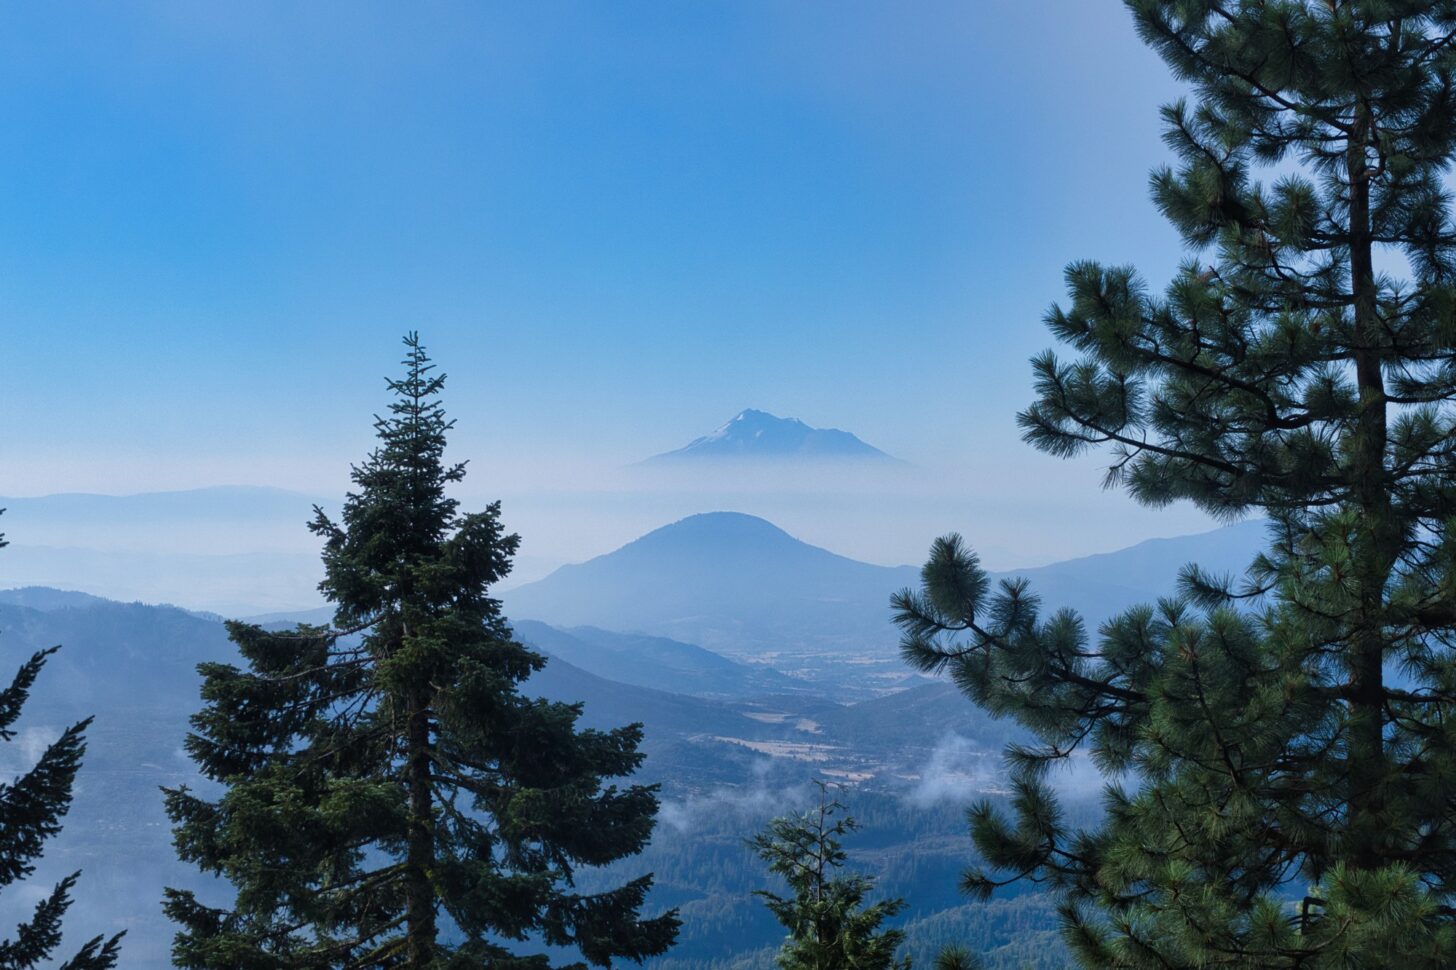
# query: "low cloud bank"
x,y
962,770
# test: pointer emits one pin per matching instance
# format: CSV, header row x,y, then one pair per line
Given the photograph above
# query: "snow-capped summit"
x,y
757,434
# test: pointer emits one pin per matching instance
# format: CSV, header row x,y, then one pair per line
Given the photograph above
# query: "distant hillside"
x,y
226,584
656,662
233,550
741,586
225,503
46,598
758,435
1153,565
1101,586
734,583
133,667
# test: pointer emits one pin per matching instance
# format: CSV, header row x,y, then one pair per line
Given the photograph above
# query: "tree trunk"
x,y
1372,558
420,853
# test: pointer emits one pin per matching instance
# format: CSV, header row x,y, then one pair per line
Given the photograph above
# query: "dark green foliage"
x,y
135,666
830,926
957,957
1293,728
31,808
1027,923
391,799
914,850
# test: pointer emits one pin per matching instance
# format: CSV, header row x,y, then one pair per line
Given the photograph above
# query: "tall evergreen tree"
x,y
31,808
390,798
830,925
1296,725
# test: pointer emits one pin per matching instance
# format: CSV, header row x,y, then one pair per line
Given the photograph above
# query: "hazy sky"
x,y
615,224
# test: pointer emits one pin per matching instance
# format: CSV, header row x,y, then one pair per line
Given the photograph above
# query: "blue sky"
x,y
616,225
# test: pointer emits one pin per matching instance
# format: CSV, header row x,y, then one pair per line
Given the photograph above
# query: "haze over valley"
x,y
754,660
245,549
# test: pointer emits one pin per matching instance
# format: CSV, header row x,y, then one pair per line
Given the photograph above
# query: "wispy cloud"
x,y
958,769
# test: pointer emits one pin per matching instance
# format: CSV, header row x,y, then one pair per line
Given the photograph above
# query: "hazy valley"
x,y
755,662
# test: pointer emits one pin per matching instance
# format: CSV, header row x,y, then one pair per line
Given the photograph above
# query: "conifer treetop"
x,y
392,798
829,924
32,806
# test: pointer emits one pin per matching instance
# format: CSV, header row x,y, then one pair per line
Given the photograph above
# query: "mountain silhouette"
x,y
739,585
758,435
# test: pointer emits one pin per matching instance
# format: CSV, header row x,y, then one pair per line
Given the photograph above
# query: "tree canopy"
x,y
830,925
1278,745
390,796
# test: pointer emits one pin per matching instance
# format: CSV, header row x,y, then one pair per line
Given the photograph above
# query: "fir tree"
x,y
390,798
1293,726
830,926
31,808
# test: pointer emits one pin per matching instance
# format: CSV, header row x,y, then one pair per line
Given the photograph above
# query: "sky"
x,y
615,226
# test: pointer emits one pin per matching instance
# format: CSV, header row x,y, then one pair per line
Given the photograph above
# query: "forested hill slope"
x,y
132,666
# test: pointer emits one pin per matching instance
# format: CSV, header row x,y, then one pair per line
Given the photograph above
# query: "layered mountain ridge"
x,y
741,586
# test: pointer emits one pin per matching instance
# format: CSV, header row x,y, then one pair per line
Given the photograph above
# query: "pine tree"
x,y
830,926
390,798
957,958
31,808
1292,727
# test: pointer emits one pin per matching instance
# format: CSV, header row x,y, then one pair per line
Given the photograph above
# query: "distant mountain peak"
x,y
722,520
716,527
754,421
755,435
